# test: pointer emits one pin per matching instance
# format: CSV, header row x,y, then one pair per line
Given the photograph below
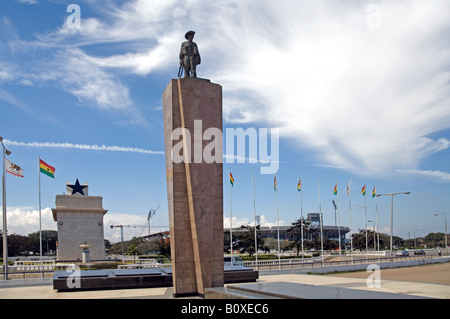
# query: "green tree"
x,y
295,232
49,239
435,239
245,240
359,240
17,245
164,247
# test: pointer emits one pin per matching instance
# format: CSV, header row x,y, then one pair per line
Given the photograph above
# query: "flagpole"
x,y
321,219
254,213
376,216
301,215
278,224
5,231
365,210
351,225
40,224
339,225
231,228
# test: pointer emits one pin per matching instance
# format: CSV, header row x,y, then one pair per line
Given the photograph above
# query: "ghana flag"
x,y
231,180
363,190
46,169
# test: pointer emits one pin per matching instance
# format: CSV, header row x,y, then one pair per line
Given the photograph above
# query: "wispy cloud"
x,y
28,1
435,175
360,98
94,147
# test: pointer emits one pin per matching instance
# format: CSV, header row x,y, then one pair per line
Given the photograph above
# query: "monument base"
x,y
64,281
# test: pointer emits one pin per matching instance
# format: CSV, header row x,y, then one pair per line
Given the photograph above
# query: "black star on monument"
x,y
77,188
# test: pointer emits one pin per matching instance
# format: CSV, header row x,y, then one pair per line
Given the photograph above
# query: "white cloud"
x,y
94,147
25,220
238,222
360,97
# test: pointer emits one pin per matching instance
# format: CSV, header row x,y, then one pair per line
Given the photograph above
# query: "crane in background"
x,y
151,213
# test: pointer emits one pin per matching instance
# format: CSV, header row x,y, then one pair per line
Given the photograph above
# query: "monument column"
x,y
194,183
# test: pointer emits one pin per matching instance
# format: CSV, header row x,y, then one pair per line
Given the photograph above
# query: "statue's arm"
x,y
182,52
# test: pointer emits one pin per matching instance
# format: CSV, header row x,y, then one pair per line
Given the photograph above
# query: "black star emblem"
x,y
77,188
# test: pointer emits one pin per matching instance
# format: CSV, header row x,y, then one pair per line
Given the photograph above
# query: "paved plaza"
x,y
426,281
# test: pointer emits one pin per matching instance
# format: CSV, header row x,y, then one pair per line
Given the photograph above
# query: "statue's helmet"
x,y
188,33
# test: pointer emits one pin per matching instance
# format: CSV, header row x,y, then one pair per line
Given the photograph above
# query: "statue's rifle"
x,y
180,70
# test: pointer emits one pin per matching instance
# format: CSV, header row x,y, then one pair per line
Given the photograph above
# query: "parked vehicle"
x,y
402,253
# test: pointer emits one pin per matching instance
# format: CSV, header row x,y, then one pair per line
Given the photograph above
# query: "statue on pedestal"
x,y
189,57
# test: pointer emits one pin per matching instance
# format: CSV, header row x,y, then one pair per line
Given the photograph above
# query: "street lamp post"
x,y
415,238
5,233
392,213
445,219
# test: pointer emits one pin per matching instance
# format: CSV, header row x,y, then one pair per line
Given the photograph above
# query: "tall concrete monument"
x,y
79,220
192,110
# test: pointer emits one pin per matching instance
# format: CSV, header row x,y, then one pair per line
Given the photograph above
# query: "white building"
x,y
79,220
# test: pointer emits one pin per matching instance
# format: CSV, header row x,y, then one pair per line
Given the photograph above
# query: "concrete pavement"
x,y
273,286
330,287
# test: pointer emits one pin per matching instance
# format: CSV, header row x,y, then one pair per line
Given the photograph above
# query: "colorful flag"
x,y
374,192
231,180
13,168
299,185
348,188
335,190
46,169
363,190
275,183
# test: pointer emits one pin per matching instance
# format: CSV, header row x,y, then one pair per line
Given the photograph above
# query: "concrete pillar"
x,y
195,185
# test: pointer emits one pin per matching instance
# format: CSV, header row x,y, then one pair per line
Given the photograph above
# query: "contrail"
x,y
83,147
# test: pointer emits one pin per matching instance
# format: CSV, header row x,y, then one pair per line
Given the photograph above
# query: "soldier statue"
x,y
189,57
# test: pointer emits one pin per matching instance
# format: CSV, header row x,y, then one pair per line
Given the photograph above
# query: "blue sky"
x,y
359,91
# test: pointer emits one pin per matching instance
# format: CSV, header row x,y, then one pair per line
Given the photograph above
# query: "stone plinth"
x,y
196,222
79,220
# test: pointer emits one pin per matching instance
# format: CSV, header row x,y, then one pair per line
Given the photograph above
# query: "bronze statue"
x,y
189,57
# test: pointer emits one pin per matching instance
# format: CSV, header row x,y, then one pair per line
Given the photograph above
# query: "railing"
x,y
32,265
27,274
317,262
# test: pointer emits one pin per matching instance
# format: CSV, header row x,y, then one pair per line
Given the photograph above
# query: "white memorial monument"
x,y
79,219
